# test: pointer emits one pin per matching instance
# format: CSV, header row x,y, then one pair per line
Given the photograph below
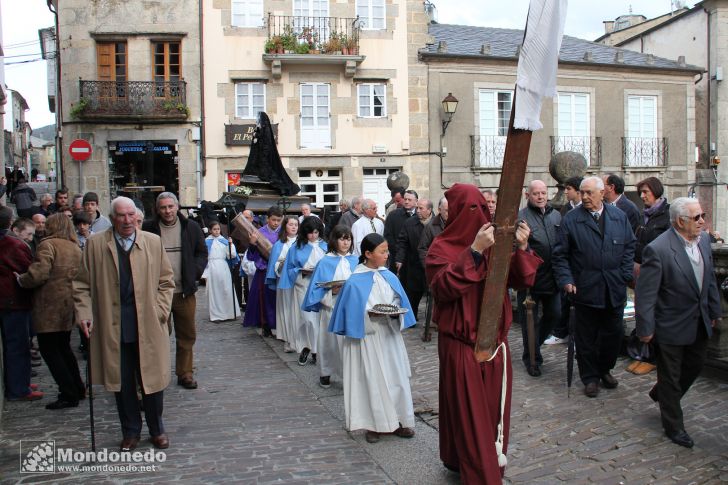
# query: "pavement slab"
x,y
260,418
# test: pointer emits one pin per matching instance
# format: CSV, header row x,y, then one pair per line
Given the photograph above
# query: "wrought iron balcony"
x,y
132,100
305,40
589,147
487,151
644,152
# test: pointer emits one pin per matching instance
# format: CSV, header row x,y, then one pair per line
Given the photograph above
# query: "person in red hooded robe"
x,y
475,398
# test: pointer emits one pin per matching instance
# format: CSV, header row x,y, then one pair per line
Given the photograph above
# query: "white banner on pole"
x,y
538,61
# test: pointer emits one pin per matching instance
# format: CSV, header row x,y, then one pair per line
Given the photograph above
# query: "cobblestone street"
x,y
258,417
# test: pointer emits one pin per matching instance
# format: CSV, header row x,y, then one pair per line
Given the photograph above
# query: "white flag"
x,y
538,61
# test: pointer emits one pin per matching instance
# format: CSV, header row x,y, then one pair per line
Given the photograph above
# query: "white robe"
x,y
377,393
307,328
286,314
220,294
329,344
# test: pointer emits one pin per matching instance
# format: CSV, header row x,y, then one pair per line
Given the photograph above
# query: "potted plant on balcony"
x,y
333,45
289,40
170,106
270,46
78,109
310,37
302,48
352,45
344,40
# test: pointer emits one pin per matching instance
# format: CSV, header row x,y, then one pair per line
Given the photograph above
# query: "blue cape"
x,y
325,270
271,278
295,260
350,309
208,243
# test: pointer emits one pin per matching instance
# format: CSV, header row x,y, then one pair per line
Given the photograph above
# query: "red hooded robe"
x,y
470,392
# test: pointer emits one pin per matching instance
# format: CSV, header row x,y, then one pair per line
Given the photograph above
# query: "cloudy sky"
x,y
21,20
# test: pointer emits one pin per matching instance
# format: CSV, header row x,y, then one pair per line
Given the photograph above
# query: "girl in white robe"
x,y
220,292
336,266
286,311
377,393
300,262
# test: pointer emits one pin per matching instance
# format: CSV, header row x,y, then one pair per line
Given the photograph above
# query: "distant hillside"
x,y
46,133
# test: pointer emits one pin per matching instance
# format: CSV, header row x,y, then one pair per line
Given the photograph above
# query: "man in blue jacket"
x,y
593,263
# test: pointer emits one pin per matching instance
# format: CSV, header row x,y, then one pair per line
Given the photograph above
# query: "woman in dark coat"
x,y
56,263
656,216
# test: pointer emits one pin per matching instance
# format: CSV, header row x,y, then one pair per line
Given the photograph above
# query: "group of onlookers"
x,y
598,246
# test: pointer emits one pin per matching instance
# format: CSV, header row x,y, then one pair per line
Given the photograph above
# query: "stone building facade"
x,y
130,83
344,120
698,36
627,113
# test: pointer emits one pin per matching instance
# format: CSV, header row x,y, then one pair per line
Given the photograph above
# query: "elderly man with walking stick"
x,y
123,295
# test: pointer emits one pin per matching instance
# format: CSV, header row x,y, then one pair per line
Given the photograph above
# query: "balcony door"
x,y
167,59
642,146
111,68
573,131
315,116
494,112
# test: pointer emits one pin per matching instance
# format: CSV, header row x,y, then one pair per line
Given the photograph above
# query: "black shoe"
x,y
653,394
591,389
303,356
313,359
267,332
533,371
325,381
608,381
452,468
681,438
62,404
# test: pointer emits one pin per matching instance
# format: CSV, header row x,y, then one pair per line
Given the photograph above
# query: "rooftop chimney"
x,y
485,49
619,57
588,57
442,47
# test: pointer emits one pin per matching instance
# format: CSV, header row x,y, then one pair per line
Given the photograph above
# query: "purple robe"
x,y
260,308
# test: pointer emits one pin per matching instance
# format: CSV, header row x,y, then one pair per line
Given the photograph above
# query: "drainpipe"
x,y
201,169
707,30
60,169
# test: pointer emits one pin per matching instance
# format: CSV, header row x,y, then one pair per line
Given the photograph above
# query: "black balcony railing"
x,y
487,151
313,35
589,147
644,152
132,99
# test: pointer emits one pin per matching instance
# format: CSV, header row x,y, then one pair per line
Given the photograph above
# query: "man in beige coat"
x,y
123,294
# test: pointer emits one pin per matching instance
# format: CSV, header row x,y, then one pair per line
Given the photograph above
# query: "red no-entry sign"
x,y
80,150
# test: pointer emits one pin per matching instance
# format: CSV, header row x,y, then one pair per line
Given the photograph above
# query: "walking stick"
x,y
90,397
427,336
530,331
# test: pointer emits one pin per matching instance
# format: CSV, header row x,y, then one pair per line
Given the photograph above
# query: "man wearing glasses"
x,y
677,306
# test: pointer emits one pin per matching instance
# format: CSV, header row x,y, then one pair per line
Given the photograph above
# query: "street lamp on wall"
x,y
449,106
